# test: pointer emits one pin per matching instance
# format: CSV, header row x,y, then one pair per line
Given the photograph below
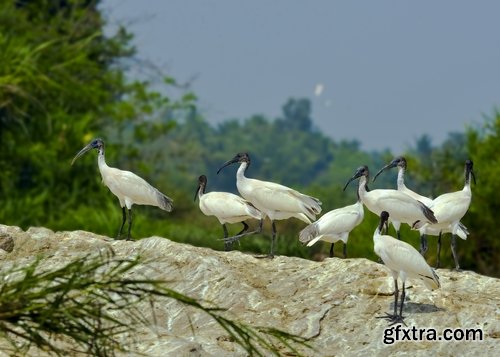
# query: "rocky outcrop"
x,y
334,303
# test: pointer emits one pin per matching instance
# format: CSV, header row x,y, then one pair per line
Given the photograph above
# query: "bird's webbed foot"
x,y
394,319
236,238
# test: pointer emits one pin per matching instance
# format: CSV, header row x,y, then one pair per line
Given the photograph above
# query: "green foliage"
x,y
62,83
80,301
483,246
437,170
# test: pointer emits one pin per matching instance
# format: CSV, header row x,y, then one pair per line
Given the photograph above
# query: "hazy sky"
x,y
383,72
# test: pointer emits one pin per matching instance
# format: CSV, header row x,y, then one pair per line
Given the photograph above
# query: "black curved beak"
x,y
227,163
388,166
83,151
473,176
196,193
356,175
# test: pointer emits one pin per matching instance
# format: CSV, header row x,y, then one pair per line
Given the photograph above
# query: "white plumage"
x,y
400,163
404,261
334,226
435,229
226,207
274,200
127,186
449,209
401,207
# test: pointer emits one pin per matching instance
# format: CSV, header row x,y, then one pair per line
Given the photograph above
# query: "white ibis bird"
x,y
449,208
273,200
404,261
400,163
127,186
437,229
401,207
334,226
227,207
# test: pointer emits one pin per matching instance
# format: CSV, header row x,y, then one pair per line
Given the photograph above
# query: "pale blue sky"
x,y
383,72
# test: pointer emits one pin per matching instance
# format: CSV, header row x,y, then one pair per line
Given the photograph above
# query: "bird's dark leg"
x,y
244,233
331,250
245,228
395,318
129,223
438,264
396,293
403,295
454,251
227,245
423,245
399,235
273,238
124,218
344,251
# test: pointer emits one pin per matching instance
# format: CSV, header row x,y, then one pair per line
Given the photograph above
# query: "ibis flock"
x,y
260,199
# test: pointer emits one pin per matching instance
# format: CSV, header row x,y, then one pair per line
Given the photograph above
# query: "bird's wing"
x,y
225,204
134,189
400,206
277,197
451,206
425,200
340,220
401,256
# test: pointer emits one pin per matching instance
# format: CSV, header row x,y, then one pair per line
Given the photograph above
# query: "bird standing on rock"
x,y
404,261
334,226
227,207
273,200
401,207
127,186
449,209
436,229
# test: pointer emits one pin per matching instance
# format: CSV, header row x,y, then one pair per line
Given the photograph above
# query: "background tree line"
x,y
63,82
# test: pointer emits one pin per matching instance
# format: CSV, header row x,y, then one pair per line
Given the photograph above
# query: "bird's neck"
x,y
101,161
401,178
362,188
377,234
468,177
240,174
201,192
467,186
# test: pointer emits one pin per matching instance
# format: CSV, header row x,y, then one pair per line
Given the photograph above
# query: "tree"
x,y
297,114
483,246
61,84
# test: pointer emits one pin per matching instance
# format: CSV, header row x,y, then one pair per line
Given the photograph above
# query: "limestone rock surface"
x,y
334,302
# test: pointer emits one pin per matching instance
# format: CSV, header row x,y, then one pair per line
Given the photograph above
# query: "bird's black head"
x,y
399,161
202,183
202,180
468,169
240,157
97,144
360,171
94,144
384,219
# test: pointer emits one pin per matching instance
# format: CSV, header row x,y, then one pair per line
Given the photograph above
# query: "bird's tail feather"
x,y
462,231
254,212
312,206
428,213
431,282
303,217
308,233
165,202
